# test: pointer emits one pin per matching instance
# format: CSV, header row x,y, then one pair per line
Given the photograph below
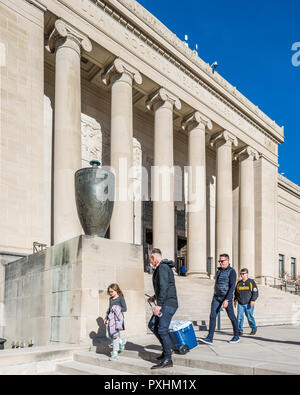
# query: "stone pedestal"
x,y
59,295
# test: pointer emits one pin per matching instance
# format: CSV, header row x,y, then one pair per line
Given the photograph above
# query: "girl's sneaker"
x,y
122,344
114,356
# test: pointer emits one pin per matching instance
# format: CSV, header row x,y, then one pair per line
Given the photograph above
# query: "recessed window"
x,y
281,266
293,267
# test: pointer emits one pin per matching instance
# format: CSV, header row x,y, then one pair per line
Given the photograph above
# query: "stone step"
x,y
132,363
217,364
84,369
51,374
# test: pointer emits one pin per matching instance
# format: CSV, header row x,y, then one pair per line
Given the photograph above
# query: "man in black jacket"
x,y
246,294
166,305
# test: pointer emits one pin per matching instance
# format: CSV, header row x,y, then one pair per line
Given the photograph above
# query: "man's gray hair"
x,y
156,251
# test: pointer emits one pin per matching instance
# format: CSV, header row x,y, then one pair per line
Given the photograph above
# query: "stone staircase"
x,y
274,307
130,363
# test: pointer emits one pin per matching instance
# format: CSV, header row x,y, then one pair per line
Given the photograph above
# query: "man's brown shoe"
x,y
163,365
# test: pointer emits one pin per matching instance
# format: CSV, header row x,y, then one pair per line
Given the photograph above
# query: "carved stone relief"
x,y
91,138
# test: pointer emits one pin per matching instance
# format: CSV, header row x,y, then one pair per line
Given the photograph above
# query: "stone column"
x,y
266,219
195,125
67,43
246,157
121,77
224,210
163,103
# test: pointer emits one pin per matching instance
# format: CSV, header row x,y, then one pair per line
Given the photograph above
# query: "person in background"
x,y
115,319
183,270
246,294
223,298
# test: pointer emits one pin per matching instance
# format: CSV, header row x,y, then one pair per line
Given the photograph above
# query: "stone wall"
x,y
59,295
23,216
288,224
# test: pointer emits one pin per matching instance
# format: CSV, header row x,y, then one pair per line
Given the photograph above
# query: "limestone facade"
x,y
83,79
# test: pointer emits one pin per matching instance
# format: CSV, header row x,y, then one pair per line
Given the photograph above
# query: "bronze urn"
x,y
94,191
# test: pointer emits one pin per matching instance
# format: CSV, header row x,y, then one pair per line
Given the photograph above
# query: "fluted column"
x,y
67,43
246,157
163,104
196,125
121,76
224,210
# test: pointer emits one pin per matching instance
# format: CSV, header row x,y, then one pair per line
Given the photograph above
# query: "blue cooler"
x,y
183,336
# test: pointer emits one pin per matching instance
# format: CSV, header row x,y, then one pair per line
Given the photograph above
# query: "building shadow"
x,y
263,339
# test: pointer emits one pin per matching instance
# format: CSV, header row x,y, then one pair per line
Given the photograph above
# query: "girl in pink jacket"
x,y
115,319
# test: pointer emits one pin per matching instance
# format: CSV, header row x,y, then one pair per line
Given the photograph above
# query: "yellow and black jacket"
x,y
246,292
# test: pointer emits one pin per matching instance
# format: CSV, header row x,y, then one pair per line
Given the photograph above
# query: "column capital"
x,y
196,120
119,67
246,153
163,96
64,31
225,137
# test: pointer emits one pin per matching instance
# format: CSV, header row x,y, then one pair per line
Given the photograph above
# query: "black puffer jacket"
x,y
164,284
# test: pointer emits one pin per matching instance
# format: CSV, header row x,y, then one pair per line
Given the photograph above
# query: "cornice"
x,y
288,185
37,4
148,19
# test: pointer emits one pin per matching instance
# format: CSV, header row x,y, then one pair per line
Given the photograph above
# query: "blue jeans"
x,y
248,310
216,305
160,327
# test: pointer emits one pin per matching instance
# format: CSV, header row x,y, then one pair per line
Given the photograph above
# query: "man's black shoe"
x,y
253,332
166,363
162,356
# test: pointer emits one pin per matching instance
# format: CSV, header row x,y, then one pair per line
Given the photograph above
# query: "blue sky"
x,y
252,42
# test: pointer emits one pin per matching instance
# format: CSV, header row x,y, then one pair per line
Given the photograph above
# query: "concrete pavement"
x,y
274,350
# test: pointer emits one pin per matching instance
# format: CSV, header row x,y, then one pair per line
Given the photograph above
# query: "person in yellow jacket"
x,y
246,294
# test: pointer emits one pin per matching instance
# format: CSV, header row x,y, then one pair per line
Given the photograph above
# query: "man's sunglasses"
x,y
224,260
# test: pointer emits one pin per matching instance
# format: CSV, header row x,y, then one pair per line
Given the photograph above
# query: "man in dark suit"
x,y
166,305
